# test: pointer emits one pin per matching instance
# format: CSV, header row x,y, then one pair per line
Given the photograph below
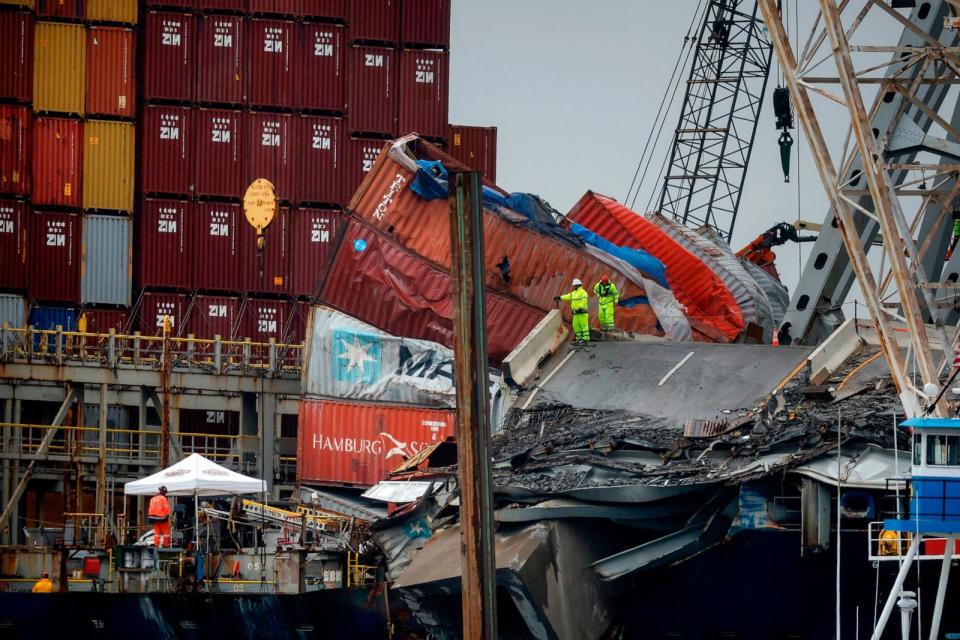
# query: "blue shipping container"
x,y
49,318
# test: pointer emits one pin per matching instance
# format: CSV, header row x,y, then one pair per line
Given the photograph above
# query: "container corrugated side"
x,y
169,59
111,81
312,236
233,6
53,257
424,92
13,310
475,147
375,21
372,90
164,252
166,160
124,11
16,146
60,8
266,319
94,320
47,317
325,9
221,60
108,165
358,443
322,68
219,153
14,221
272,58
217,254
59,65
25,4
362,153
425,23
274,7
214,316
270,151
153,308
16,55
106,273
274,259
320,147
57,161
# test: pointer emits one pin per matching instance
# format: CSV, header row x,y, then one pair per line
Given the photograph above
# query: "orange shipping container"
x,y
357,444
110,76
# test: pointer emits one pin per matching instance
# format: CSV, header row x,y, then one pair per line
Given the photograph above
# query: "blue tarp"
x,y
637,258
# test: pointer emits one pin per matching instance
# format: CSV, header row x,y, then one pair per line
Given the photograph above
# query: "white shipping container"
x,y
106,275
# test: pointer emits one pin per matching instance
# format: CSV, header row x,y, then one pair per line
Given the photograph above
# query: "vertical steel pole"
x,y
165,366
473,407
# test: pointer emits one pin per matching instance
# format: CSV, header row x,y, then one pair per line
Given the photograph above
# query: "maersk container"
x,y
372,82
361,154
124,11
425,23
53,257
219,153
269,270
57,161
16,126
475,147
166,159
357,444
424,92
60,8
322,73
272,58
13,310
217,255
270,151
375,21
169,56
312,236
164,251
14,219
155,306
111,80
325,9
221,63
214,316
16,55
108,165
59,67
320,147
106,273
93,320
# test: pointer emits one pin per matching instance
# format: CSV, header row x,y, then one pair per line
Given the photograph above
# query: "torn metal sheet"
x,y
563,508
868,467
343,501
398,492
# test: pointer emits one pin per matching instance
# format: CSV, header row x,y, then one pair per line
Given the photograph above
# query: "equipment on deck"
x,y
760,252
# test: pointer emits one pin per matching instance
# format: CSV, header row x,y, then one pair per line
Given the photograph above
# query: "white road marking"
x,y
674,370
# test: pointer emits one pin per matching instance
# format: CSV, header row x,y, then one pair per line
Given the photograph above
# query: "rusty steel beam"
x,y
478,564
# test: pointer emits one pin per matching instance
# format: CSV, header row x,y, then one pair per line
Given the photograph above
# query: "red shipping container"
x,y
238,6
166,162
164,245
57,161
153,308
214,316
322,67
169,57
358,444
326,9
16,147
14,216
60,8
186,4
275,7
374,20
361,155
320,146
110,76
269,151
424,92
264,320
475,147
273,80
102,320
218,256
372,101
221,68
425,23
275,257
299,311
312,236
16,55
53,259
219,168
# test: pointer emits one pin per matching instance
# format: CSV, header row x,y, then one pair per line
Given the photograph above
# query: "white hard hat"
x,y
576,282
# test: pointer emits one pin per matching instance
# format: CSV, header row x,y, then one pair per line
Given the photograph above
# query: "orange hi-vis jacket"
x,y
159,507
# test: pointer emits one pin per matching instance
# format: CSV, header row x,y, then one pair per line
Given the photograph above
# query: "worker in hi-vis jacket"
x,y
607,299
579,306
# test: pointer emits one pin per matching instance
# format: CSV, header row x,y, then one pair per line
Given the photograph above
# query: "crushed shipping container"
x,y
108,165
321,77
16,55
111,82
166,160
424,92
312,236
14,218
320,148
165,249
372,83
57,161
221,64
272,57
219,152
53,257
16,147
169,56
59,65
106,271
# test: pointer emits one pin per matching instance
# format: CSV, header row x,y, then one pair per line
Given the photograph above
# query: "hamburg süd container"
x,y
155,306
111,80
272,46
60,8
274,259
16,55
219,153
166,162
320,148
59,67
214,316
221,59
361,155
217,254
325,9
123,11
372,94
108,165
312,236
53,257
14,217
475,147
425,23
424,92
57,161
164,251
270,151
375,21
106,271
93,320
359,443
16,146
322,71
169,56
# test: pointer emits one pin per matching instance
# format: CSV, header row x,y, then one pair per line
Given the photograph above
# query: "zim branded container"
x,y
214,316
475,147
265,320
325,9
219,149
108,165
16,55
217,254
361,155
164,252
320,147
59,67
274,259
14,217
169,56
93,320
15,149
275,7
111,80
358,443
166,161
60,8
424,92
425,23
155,306
106,271
321,76
210,422
372,82
53,257
270,151
374,21
272,63
124,11
312,236
221,64
234,6
183,4
57,161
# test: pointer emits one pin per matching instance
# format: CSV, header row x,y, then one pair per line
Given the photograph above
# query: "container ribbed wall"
x,y
108,161
106,275
59,65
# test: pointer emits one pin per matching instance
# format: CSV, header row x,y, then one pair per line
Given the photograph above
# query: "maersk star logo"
x,y
356,357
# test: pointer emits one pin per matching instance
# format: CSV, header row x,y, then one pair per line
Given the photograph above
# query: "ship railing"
x,y
884,544
89,529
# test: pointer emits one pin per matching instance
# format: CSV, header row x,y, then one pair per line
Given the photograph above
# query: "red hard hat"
x,y
604,279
